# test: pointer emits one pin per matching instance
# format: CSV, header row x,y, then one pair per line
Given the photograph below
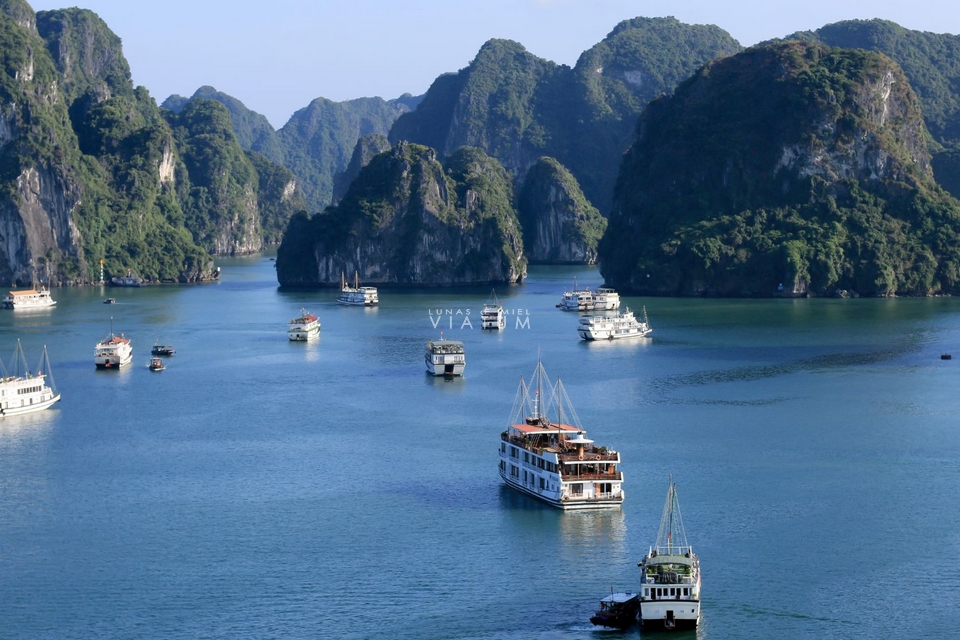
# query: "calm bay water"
x,y
260,488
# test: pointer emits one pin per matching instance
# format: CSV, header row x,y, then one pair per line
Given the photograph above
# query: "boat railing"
x,y
591,456
616,476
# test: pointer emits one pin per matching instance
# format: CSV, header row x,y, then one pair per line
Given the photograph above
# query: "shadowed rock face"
x,y
792,164
409,220
559,225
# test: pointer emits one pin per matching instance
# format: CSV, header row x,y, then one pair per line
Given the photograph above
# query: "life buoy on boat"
x,y
581,457
597,457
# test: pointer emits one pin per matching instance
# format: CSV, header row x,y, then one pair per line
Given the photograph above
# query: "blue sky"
x,y
277,56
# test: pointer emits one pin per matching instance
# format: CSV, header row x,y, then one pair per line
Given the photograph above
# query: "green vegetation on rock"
x,y
792,164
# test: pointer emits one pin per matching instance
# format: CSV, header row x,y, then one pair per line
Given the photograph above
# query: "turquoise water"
x,y
261,488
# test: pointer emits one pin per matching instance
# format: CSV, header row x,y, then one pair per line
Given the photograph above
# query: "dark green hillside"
x,y
792,164
87,54
318,140
931,61
518,107
254,132
219,189
278,197
407,219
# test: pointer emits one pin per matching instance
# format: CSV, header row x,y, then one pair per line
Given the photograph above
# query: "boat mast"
x,y
671,534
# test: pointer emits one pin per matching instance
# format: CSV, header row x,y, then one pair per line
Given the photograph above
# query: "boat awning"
x,y
28,292
531,429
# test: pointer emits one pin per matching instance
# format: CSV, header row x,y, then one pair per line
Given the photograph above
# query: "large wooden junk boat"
x,y
23,392
552,459
670,574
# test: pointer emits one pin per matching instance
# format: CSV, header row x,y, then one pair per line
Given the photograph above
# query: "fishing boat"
x,y
623,325
492,315
445,357
670,574
551,459
113,352
357,295
156,364
304,327
37,298
24,392
617,611
162,349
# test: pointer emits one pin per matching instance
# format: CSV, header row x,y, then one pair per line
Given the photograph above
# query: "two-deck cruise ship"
x,y
670,574
357,295
38,298
113,352
23,392
623,325
492,315
445,357
603,299
551,459
304,327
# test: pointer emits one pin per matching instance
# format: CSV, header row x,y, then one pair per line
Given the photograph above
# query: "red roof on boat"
x,y
536,428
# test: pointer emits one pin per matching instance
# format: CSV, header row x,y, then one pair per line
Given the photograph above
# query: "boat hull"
x,y
554,500
112,362
30,408
661,614
300,335
445,369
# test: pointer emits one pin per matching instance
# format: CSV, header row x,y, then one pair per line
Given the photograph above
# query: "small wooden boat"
x,y
617,611
110,301
156,364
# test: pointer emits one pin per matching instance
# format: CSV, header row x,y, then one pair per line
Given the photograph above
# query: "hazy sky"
x,y
276,56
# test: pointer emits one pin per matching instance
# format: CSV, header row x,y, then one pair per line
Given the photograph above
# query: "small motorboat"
x,y
156,364
617,611
162,350
110,301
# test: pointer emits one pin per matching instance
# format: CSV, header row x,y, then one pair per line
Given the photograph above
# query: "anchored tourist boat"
x,y
445,357
357,295
113,352
162,349
23,392
38,298
305,327
492,315
552,459
603,299
623,325
617,611
670,574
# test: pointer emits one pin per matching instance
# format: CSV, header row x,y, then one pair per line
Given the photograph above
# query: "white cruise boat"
x,y
305,327
670,574
603,299
623,325
492,315
38,298
113,352
357,295
23,392
551,459
445,357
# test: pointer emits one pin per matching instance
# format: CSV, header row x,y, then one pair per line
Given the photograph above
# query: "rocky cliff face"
x,y
791,169
559,225
409,220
